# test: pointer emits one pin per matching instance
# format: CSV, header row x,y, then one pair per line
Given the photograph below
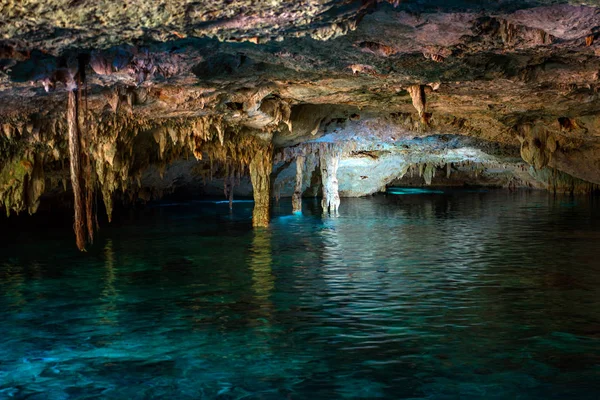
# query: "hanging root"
x,y
80,168
90,211
75,161
89,214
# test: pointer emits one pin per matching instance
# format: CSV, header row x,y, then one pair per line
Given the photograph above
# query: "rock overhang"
x,y
167,77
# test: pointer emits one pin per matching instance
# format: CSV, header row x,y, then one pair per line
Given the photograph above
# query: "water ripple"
x,y
457,295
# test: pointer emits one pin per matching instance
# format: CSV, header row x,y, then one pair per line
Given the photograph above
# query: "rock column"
x,y
329,160
261,166
297,197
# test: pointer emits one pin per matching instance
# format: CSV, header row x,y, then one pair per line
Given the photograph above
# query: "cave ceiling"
x,y
516,73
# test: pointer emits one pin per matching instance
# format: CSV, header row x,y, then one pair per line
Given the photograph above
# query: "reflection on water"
x,y
13,284
453,295
109,296
260,263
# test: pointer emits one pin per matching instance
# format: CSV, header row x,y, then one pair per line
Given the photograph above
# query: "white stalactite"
x,y
329,159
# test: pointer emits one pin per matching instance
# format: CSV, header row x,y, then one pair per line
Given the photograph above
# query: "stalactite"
x,y
329,161
36,184
589,40
261,165
537,145
75,168
277,192
419,100
231,184
404,171
297,197
429,173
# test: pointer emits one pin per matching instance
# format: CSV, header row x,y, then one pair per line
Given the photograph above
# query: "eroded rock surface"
x,y
503,94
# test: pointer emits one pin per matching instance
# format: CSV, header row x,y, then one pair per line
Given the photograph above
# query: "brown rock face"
x,y
230,82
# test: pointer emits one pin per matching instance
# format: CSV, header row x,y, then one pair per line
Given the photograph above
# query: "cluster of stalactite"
x,y
22,183
108,152
428,170
560,182
26,147
237,153
549,178
231,154
327,156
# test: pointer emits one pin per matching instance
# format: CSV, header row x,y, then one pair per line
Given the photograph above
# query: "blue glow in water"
x,y
288,218
408,191
234,201
191,203
472,295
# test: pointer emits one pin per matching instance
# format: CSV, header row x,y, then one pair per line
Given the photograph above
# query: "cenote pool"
x,y
438,295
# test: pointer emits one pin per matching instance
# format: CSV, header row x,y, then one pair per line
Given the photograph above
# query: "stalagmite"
x,y
75,161
261,165
297,197
329,160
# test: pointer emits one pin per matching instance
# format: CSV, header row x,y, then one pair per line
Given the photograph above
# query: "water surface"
x,y
426,295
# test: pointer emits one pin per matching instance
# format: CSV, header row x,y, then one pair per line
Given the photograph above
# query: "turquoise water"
x,y
459,295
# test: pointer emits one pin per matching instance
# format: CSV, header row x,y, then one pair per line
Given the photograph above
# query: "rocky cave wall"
x,y
307,98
